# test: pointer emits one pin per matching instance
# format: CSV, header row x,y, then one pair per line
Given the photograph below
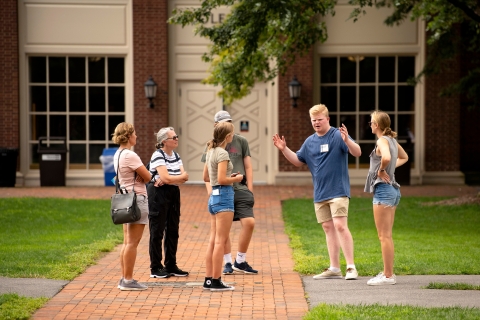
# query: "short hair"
x,y
319,108
122,132
162,135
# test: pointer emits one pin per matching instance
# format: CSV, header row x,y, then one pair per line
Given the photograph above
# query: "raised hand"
x,y
344,132
278,142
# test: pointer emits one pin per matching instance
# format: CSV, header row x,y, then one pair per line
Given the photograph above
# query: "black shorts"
x,y
243,202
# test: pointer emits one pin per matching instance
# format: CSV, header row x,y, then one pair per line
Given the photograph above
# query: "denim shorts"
x,y
221,202
386,194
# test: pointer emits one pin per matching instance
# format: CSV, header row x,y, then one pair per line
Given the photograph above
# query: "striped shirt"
x,y
160,158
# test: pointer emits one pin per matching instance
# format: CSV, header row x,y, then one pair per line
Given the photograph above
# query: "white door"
x,y
198,105
250,119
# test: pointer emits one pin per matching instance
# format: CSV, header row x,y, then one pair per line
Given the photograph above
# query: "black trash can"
x,y
8,163
52,154
402,173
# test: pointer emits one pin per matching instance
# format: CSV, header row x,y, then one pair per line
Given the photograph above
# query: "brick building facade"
x,y
150,46
150,57
9,72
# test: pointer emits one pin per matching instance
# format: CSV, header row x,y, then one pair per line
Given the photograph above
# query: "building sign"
x,y
217,18
243,126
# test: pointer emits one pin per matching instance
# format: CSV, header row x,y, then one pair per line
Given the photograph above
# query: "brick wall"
x,y
294,123
9,104
442,121
150,55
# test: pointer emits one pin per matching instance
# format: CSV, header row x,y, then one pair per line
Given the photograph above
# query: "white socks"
x,y
333,269
241,257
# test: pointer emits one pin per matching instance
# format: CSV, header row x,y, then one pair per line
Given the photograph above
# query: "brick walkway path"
x,y
275,293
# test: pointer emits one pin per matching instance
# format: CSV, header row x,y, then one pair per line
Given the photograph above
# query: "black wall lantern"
x,y
150,90
294,88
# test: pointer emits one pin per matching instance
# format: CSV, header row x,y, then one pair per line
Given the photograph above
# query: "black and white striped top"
x,y
160,158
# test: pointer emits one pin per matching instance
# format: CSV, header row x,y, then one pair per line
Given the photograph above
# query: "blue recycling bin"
x,y
107,163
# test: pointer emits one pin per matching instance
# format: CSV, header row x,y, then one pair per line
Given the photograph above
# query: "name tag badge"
x,y
324,148
216,192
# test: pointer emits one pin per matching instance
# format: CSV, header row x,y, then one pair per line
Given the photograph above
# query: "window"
x,y
79,98
353,86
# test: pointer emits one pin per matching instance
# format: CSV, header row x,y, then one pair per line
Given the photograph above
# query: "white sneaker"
x,y
352,274
328,274
381,280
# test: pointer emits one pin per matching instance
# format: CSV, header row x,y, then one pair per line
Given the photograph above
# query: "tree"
x,y
260,39
453,29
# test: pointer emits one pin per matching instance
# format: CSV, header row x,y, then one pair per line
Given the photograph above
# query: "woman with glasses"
x,y
385,157
167,172
218,171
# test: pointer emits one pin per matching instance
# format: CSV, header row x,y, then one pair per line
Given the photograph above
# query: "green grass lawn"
x,y
54,238
428,239
379,312
14,307
50,238
452,286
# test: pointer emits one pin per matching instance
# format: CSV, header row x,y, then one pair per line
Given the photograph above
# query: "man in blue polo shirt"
x,y
326,154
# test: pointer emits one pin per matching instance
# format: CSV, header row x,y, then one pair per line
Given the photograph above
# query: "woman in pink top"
x,y
129,164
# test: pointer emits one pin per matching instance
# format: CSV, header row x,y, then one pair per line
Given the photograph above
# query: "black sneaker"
x,y
244,267
218,285
177,272
159,273
207,284
228,268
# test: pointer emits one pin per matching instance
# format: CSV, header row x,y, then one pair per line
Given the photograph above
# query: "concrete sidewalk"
x,y
277,292
409,290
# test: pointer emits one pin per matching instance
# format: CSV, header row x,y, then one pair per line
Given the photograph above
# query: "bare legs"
x,y
132,234
248,224
338,236
220,225
384,217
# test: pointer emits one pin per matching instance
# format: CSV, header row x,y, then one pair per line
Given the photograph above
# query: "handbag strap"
x,y
116,175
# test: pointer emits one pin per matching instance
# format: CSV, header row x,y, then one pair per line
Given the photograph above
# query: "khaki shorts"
x,y
142,202
328,209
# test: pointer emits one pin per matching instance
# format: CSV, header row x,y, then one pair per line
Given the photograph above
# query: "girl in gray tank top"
x,y
385,157
375,162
